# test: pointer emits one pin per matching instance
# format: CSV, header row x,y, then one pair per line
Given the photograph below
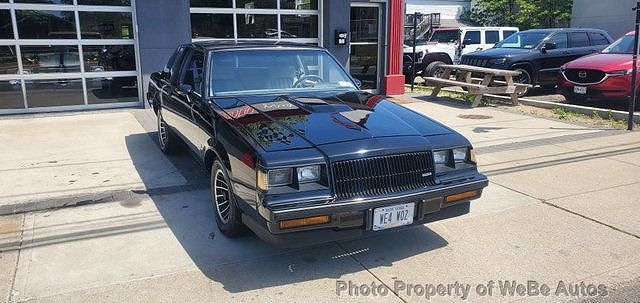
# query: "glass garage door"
x,y
67,54
292,20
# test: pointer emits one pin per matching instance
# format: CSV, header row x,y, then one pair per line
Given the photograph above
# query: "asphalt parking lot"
x,y
561,209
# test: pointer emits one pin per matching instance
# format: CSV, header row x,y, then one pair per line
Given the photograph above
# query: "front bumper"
x,y
353,219
611,88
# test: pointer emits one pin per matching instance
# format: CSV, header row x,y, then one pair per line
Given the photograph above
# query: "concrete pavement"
x,y
562,206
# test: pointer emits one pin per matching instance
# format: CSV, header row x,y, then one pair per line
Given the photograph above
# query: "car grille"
x,y
382,175
475,61
584,76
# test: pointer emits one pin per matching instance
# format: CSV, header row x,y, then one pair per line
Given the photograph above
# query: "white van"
x,y
445,47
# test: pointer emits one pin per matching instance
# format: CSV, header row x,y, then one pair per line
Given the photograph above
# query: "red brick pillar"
x,y
394,79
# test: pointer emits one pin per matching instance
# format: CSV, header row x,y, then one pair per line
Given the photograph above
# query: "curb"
x,y
585,110
121,195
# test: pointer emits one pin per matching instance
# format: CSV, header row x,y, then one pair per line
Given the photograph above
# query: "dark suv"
x,y
539,53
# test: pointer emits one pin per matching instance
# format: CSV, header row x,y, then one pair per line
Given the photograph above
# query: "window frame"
x,y
187,58
235,11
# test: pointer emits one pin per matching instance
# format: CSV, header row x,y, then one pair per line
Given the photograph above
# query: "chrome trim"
x,y
363,201
606,76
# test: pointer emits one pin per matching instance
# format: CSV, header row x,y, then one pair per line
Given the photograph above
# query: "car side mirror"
x,y
358,83
185,89
547,47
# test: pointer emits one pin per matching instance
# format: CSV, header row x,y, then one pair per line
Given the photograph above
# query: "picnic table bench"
x,y
487,84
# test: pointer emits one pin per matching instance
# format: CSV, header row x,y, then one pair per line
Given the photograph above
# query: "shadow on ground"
x,y
248,263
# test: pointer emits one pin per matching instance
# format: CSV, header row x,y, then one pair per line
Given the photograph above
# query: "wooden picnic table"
x,y
487,84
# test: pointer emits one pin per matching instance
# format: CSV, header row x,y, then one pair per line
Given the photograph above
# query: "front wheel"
x,y
228,215
434,69
524,78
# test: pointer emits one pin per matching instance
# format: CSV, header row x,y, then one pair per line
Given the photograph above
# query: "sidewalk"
x,y
561,206
56,161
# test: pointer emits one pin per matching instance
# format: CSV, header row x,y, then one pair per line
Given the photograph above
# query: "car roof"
x,y
554,30
212,45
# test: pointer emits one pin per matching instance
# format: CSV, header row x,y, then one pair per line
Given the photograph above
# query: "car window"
x,y
193,71
491,37
175,67
506,34
579,39
560,40
472,37
598,39
172,59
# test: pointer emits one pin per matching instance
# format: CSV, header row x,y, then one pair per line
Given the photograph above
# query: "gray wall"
x,y
613,16
162,26
336,16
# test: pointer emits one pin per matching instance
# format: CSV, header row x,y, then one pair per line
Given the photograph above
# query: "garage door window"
x,y
67,54
292,20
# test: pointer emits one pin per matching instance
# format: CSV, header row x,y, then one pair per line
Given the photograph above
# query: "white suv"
x,y
444,47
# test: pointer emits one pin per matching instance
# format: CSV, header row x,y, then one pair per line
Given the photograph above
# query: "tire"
x,y
524,78
548,86
168,140
225,209
433,69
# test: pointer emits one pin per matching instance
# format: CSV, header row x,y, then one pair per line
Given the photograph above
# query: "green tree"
x,y
525,14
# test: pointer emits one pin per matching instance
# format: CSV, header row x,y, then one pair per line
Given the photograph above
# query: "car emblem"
x,y
582,74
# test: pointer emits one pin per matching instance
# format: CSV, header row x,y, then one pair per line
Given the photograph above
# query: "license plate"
x,y
393,216
580,90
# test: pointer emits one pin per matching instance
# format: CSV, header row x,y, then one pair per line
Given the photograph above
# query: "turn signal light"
x,y
287,224
462,196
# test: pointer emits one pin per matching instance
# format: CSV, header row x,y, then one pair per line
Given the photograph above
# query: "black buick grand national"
x,y
297,153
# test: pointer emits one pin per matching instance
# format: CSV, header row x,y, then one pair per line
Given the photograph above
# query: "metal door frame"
x,y
381,42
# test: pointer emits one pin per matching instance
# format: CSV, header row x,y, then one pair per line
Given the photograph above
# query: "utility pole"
x,y
634,75
413,56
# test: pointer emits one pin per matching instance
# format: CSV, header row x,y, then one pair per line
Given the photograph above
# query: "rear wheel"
x,y
168,140
524,78
226,211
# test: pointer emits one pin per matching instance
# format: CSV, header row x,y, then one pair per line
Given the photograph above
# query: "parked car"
x,y
444,47
297,153
606,75
539,53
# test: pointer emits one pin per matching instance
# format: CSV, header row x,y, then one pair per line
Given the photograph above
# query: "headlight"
x,y
460,155
308,174
441,157
499,61
280,177
452,159
620,72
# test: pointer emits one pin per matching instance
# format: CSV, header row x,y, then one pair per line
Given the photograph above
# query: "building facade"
x,y
449,10
617,19
90,54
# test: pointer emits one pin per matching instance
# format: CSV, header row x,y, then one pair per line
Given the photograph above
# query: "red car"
x,y
604,76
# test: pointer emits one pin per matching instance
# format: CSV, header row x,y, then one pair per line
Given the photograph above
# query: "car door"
x,y
170,107
181,99
472,41
550,60
580,45
201,111
491,37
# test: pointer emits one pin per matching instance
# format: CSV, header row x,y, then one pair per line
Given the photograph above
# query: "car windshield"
x,y
624,45
445,36
522,40
238,72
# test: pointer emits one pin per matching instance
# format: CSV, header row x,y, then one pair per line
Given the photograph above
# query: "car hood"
x,y
298,121
492,53
432,48
603,62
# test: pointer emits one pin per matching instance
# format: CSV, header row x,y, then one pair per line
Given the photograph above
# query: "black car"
x,y
539,53
297,153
